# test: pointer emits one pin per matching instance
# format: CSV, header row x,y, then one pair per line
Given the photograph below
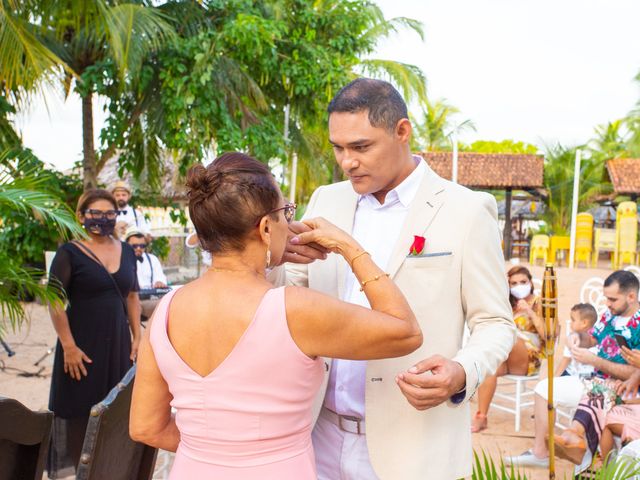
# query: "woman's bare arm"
x,y
151,421
134,309
322,325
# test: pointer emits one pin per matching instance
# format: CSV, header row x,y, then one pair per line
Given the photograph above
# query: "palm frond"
x,y
384,28
409,79
17,283
134,31
24,60
23,194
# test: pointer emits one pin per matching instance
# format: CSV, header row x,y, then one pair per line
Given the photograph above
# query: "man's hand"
x,y
302,253
628,388
583,355
431,382
159,285
632,357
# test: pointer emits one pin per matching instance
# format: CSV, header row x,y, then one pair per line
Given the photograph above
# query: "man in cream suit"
x,y
404,418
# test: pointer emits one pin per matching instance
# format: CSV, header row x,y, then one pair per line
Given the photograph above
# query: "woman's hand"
x,y
523,306
632,357
73,362
327,235
135,344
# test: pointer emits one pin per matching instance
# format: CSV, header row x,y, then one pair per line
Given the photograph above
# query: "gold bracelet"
x,y
377,277
364,252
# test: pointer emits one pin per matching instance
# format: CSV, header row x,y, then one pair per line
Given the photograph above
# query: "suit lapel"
x,y
423,209
343,217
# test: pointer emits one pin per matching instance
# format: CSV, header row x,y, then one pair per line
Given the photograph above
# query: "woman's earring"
x,y
268,258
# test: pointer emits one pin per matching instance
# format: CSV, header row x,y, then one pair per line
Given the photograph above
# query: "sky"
x,y
542,71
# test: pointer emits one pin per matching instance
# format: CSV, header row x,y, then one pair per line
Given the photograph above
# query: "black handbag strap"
x,y
88,251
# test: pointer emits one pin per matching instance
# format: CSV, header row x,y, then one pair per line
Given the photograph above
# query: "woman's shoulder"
x,y
68,247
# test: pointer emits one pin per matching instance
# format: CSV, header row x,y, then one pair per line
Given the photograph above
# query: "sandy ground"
x,y
21,379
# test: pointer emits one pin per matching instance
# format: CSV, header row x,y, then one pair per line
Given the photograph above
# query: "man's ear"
x,y
404,130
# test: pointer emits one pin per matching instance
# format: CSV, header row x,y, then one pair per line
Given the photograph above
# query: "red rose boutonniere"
x,y
417,246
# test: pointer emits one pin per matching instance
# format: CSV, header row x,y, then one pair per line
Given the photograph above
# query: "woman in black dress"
x,y
95,346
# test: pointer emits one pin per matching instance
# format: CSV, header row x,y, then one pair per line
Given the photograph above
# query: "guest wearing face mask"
x,y
525,357
98,332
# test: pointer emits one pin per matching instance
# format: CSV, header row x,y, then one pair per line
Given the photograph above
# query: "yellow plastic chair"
x,y
626,234
584,238
604,241
539,249
559,242
626,241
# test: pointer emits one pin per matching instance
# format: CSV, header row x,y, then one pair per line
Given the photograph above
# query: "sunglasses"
x,y
141,246
108,214
289,212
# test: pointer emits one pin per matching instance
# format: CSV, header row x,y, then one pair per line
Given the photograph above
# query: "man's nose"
x,y
348,161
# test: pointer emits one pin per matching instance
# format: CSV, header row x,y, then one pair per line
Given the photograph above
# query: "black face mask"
x,y
100,226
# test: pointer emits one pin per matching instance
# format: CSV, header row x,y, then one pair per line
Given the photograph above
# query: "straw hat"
x,y
121,185
131,231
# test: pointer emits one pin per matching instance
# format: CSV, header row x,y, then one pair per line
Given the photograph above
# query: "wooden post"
x,y
506,236
550,314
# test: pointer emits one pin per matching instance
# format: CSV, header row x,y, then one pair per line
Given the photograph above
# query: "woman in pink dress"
x,y
239,360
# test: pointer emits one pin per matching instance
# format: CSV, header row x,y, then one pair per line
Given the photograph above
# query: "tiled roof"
x,y
490,170
625,174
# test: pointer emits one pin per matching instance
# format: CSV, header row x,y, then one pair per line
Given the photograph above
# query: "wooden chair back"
x,y
108,451
24,441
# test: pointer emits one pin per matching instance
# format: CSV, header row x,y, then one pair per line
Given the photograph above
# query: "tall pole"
x,y
294,159
574,207
294,174
506,233
550,315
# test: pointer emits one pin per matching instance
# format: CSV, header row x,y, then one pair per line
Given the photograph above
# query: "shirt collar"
x,y
406,191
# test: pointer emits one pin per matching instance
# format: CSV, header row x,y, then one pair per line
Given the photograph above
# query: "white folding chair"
x,y
517,400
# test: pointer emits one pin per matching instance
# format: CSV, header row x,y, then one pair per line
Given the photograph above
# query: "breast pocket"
x,y
438,261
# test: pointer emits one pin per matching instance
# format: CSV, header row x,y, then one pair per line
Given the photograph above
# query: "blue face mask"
x,y
99,226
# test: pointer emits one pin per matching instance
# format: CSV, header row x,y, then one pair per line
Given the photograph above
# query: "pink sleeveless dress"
x,y
249,419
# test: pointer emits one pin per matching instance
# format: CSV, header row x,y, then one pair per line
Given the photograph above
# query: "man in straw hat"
x,y
127,215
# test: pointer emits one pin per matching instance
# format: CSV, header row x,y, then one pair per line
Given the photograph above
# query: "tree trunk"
x,y
506,236
90,173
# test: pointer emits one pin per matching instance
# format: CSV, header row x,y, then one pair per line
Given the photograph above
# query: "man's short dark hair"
x,y
627,281
135,235
586,312
384,103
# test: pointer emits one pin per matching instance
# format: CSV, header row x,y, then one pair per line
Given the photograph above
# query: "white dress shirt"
x,y
376,227
150,271
134,218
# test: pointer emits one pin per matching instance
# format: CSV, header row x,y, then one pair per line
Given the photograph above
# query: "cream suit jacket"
x,y
444,291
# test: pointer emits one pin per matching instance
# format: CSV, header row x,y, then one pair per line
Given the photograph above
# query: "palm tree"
x,y
558,181
610,140
24,192
431,131
57,42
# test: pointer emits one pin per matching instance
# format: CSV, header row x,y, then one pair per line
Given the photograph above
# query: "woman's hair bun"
x,y
198,183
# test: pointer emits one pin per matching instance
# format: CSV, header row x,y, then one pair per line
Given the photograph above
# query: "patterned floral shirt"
x,y
605,329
